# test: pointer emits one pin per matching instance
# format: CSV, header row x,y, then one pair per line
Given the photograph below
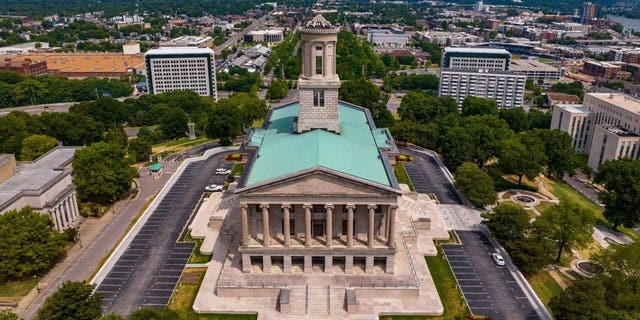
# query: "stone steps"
x,y
298,300
317,300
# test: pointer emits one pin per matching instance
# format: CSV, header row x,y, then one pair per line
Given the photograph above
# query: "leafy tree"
x,y
516,118
101,173
30,244
72,301
173,124
424,135
7,314
621,276
420,107
355,56
474,106
71,129
155,314
278,89
456,144
251,107
539,119
362,92
145,133
475,184
522,155
117,136
530,254
584,299
567,225
225,122
139,149
559,151
36,145
576,88
105,110
507,222
621,179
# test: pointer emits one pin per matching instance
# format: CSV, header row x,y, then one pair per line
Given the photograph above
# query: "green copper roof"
x,y
355,151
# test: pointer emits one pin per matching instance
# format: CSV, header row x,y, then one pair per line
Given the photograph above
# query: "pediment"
x,y
319,183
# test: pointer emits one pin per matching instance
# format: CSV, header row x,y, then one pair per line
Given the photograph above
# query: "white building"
x,y
44,184
189,41
535,70
505,87
476,58
388,38
445,38
606,126
268,35
181,68
131,48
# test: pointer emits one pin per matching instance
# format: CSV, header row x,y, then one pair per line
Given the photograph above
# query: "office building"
x,y
535,70
189,41
26,67
181,68
387,38
589,11
600,69
606,126
44,184
269,36
476,58
505,87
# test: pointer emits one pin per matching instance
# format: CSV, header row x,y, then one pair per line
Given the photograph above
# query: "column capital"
x,y
244,206
264,206
371,206
286,206
393,206
329,206
350,206
307,206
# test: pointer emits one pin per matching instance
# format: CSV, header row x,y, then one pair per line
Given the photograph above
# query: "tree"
x,y
473,106
530,254
539,119
105,110
516,118
36,145
567,225
139,149
145,133
584,299
72,301
621,275
116,135
480,140
507,222
251,107
173,124
101,173
278,89
7,314
522,155
224,122
475,184
29,244
621,179
423,108
362,92
559,151
456,144
424,135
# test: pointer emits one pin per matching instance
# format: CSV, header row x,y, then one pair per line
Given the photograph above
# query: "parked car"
x,y
213,188
498,259
222,171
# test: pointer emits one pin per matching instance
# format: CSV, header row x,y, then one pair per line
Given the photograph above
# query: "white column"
x,y
65,221
391,240
74,205
328,234
245,225
52,214
370,235
67,207
286,223
266,237
350,209
307,225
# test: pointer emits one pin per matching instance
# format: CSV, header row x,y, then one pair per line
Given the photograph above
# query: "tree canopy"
x,y
362,92
567,225
36,145
423,108
522,155
475,106
475,184
72,301
29,245
621,179
101,173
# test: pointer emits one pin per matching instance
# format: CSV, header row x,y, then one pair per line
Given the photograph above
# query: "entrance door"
x,y
318,228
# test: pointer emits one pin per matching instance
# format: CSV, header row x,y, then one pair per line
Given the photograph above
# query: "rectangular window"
x,y
318,98
318,65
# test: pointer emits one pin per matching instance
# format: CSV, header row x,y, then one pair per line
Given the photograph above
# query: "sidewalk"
x,y
97,238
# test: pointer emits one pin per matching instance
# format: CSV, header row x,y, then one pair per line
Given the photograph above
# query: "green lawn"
x,y
237,169
543,206
565,192
402,176
184,295
544,286
13,291
196,256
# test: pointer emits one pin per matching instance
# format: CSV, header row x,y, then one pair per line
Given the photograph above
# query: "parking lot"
x,y
427,177
489,290
148,271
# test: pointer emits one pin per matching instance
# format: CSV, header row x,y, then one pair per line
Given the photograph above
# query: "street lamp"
x,y
35,277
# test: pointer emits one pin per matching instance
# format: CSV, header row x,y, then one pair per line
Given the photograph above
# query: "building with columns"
x,y
320,187
44,184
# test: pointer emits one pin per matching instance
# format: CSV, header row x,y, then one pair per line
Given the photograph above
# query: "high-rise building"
x,y
606,126
589,11
481,72
479,6
181,68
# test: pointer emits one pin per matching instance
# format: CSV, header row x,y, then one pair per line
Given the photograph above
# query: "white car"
x,y
222,171
498,259
213,188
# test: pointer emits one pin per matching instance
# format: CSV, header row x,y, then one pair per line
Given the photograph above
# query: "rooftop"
x,y
573,108
355,151
619,131
475,50
86,62
563,97
618,99
530,65
179,50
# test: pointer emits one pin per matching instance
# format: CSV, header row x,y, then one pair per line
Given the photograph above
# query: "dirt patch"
x,y
190,277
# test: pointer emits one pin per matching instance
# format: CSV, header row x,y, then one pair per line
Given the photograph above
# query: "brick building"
x,y
27,67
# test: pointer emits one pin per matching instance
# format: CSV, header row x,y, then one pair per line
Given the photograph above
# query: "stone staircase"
x,y
298,300
317,300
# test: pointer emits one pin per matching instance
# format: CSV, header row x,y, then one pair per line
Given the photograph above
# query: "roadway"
x,y
148,270
238,36
37,109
